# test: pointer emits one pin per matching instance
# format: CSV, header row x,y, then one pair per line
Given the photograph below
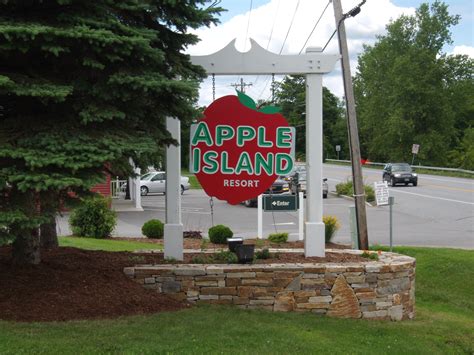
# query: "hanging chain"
x,y
273,88
211,203
211,200
213,87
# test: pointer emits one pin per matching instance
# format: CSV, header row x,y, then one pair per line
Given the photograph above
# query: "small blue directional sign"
x,y
280,202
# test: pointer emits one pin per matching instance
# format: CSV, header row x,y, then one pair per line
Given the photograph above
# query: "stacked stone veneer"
x,y
383,289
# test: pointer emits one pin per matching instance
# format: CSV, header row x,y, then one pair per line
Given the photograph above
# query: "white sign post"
x,y
259,61
383,198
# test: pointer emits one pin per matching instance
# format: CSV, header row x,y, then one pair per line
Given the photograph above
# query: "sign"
x,y
237,151
381,193
338,148
415,148
280,202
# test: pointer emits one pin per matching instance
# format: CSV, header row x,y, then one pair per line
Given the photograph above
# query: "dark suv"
x,y
399,173
279,186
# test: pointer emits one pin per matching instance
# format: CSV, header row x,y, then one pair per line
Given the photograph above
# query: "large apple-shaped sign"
x,y
237,151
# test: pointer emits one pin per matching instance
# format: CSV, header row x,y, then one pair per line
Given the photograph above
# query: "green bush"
x,y
225,256
93,218
278,237
331,225
219,234
369,255
263,254
345,188
153,229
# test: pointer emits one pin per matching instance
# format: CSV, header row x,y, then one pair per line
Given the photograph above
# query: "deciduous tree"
x,y
405,90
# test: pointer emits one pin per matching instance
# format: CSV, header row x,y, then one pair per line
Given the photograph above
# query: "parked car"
x,y
298,184
399,173
279,186
155,181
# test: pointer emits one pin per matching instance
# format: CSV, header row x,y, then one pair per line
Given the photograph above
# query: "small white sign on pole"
x,y
381,193
415,148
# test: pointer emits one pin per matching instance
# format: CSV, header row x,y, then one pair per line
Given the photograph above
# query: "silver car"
x,y
155,182
298,184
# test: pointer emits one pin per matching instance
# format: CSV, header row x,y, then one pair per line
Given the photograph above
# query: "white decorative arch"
x,y
259,61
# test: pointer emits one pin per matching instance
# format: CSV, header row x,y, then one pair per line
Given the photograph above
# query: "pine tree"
x,y
85,85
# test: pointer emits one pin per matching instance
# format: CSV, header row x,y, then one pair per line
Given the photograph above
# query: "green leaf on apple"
x,y
269,109
246,100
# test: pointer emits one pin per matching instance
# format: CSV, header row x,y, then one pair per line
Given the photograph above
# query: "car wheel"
x,y
248,203
143,190
182,189
392,182
415,183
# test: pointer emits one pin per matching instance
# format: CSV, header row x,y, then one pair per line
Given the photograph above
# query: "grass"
x,y
444,324
193,181
105,244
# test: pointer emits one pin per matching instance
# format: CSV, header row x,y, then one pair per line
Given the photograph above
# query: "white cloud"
x,y
463,50
362,29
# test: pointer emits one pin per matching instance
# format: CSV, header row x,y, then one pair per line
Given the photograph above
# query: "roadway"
x,y
438,212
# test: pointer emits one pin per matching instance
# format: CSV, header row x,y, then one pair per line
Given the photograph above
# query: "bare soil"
x,y
74,284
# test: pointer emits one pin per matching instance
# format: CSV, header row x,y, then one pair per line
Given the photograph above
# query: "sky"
x,y
269,22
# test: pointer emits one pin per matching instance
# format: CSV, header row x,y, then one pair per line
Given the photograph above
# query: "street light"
x,y
359,192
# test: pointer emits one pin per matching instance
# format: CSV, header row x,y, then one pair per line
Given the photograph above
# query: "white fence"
x,y
117,187
413,166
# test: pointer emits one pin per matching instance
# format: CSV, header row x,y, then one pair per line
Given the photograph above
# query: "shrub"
x,y
225,256
93,218
200,259
331,225
220,258
345,188
219,234
368,255
278,237
153,229
369,193
263,254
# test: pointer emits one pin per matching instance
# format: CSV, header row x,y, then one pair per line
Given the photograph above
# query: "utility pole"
x,y
359,192
241,84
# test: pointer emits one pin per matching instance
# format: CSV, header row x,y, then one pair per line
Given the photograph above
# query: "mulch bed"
x,y
74,284
71,284
195,243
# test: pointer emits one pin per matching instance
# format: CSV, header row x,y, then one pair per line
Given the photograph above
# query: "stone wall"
x,y
383,289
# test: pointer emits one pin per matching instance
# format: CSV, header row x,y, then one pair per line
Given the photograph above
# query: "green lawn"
x,y
104,244
193,181
444,324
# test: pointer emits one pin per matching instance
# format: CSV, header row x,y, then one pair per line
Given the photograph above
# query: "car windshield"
x,y
404,168
147,176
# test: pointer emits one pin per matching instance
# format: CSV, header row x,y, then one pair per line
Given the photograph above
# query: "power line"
x,y
329,40
316,24
248,25
283,45
291,25
273,25
271,34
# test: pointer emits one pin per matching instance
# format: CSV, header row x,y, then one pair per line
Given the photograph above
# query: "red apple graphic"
x,y
238,151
